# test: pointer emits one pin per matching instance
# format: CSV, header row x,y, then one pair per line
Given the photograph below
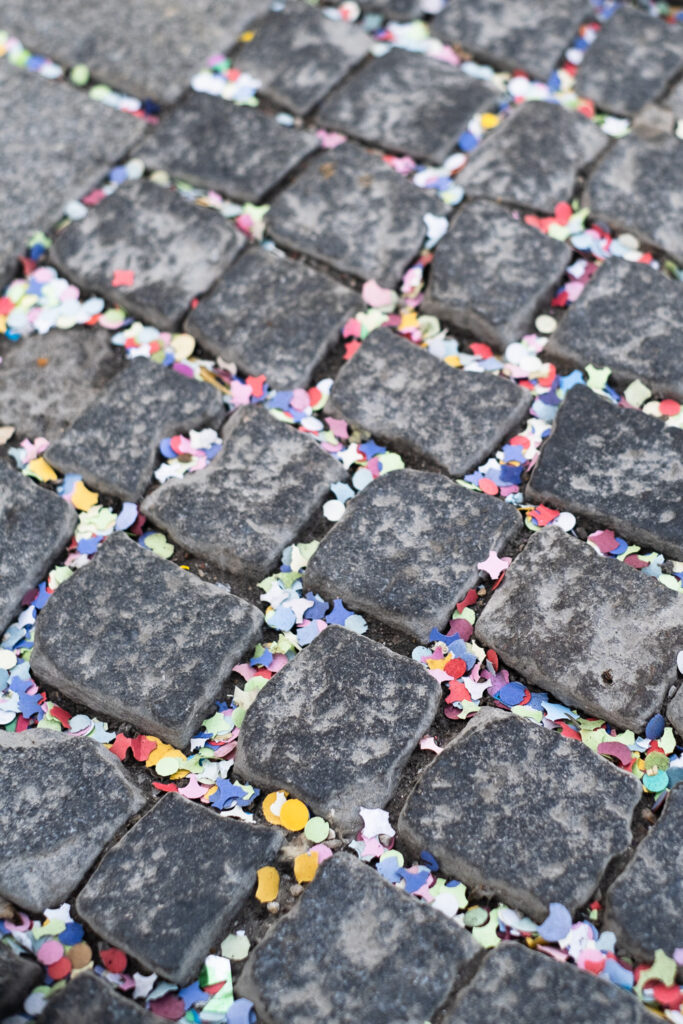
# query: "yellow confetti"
x,y
247,37
163,750
82,498
305,867
453,361
294,815
489,121
268,885
42,469
272,805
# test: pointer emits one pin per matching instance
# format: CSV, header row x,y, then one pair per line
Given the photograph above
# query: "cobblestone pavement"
x,y
341,511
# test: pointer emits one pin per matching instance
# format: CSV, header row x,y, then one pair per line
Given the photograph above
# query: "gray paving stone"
x,y
637,187
175,250
327,732
18,975
65,798
631,61
407,103
114,443
675,711
143,899
355,948
408,547
274,315
136,638
674,100
35,527
258,493
591,630
652,120
89,998
564,812
619,467
405,396
397,10
534,157
492,273
351,210
220,145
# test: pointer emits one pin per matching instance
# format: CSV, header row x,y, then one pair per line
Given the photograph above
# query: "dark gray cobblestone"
x,y
89,999
18,975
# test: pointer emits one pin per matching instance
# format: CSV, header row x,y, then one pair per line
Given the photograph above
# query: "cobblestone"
x,y
89,998
18,975
674,100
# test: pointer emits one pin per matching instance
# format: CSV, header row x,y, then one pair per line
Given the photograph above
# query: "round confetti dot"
x,y
272,805
489,121
475,917
8,659
305,867
236,947
60,969
114,960
268,885
167,766
669,407
80,74
183,345
79,723
566,521
656,783
294,815
316,830
333,510
488,486
545,324
50,952
34,1004
80,955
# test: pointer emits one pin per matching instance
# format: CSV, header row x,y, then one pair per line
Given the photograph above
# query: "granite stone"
x,y
397,10
492,273
355,948
674,100
407,549
619,467
591,630
137,638
564,813
64,800
675,711
174,249
18,975
405,396
89,999
168,891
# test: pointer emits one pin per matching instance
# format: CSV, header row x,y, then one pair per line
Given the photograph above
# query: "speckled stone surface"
x,y
633,58
18,975
114,443
397,10
407,549
407,397
675,711
534,157
583,807
492,273
274,315
136,638
297,735
387,957
351,210
89,998
674,100
47,846
176,251
253,500
143,899
407,103
619,467
35,527
591,630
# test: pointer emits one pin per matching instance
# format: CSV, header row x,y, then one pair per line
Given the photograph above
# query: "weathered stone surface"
x,y
619,467
64,799
89,998
255,497
270,314
408,547
215,144
35,527
479,789
638,187
174,249
326,729
355,948
137,638
143,899
405,396
114,443
591,630
408,103
18,975
350,209
491,273
675,711
397,10
631,61
534,157
674,101
630,318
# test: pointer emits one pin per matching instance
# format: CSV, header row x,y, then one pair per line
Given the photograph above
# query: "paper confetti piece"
x,y
493,565
305,867
123,279
268,885
294,815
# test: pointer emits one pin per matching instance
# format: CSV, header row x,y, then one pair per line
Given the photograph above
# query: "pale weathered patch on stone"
x,y
18,975
674,100
675,711
89,998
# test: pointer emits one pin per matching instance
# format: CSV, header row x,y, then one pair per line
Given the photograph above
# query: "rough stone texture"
x,y
492,273
674,101
619,467
631,61
408,547
155,894
89,998
215,144
137,638
407,103
176,251
64,799
638,187
511,34
326,729
18,975
405,396
350,209
563,811
397,10
355,948
675,711
35,527
591,630
270,314
630,318
534,157
114,443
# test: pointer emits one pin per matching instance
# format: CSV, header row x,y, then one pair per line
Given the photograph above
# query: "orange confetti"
x,y
268,885
305,867
294,815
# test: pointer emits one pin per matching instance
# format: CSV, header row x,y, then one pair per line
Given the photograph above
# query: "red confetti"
x,y
256,384
121,746
493,658
350,348
469,598
123,278
60,969
114,960
488,486
481,350
142,747
166,787
456,668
